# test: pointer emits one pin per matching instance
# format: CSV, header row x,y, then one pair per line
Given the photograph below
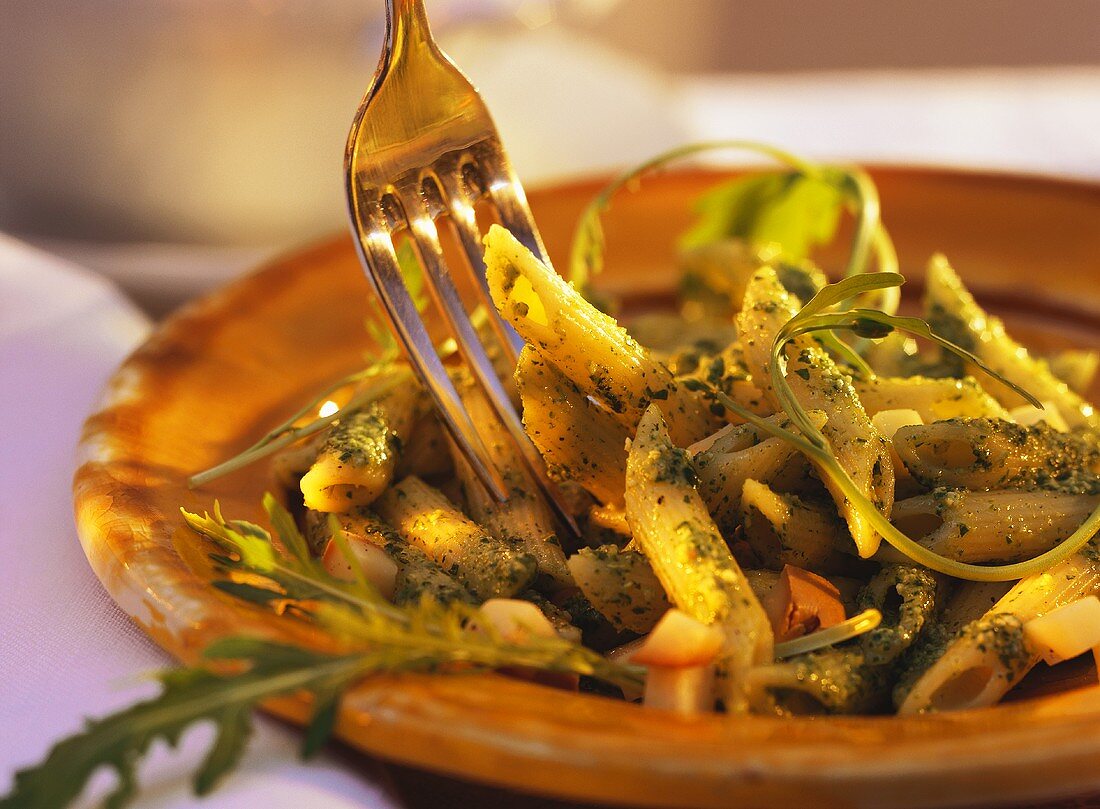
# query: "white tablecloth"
x,y
67,652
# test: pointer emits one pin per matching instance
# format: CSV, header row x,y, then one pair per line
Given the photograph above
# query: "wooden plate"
x,y
222,369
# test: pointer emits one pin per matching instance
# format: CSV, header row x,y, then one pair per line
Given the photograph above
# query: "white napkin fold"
x,y
66,651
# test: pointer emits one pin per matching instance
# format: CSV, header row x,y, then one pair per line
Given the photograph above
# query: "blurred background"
x,y
171,143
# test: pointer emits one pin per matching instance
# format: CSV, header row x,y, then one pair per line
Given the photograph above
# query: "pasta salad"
x,y
787,505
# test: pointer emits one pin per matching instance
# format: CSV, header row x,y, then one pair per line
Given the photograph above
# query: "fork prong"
x,y
464,220
377,254
426,240
510,201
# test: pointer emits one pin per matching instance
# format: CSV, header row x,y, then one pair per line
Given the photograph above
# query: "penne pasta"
x,y
417,575
906,597
953,312
933,399
832,680
425,453
784,529
488,566
818,384
994,454
621,585
523,519
987,657
359,455
671,525
735,454
672,339
585,344
998,526
1076,368
579,440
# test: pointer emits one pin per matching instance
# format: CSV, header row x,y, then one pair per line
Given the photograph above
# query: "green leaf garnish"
x,y
371,635
792,210
795,209
189,695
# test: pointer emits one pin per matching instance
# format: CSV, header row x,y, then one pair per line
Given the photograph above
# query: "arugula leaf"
x,y
189,695
586,253
375,636
792,210
356,614
295,576
797,209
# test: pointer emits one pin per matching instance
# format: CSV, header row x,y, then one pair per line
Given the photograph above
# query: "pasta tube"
x,y
734,455
524,518
952,311
585,344
417,575
1075,367
818,384
831,680
999,526
934,399
989,656
488,566
425,453
621,586
783,529
906,597
715,276
578,440
691,559
994,454
357,461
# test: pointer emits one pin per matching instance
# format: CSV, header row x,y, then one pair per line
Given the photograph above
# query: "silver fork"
x,y
423,145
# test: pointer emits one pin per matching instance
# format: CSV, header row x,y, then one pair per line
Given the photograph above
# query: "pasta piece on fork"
x,y
588,346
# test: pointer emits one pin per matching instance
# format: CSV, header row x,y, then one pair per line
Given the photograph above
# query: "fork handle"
x,y
406,20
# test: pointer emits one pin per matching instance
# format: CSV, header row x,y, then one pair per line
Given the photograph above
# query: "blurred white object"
x,y
171,143
1015,119
564,104
203,121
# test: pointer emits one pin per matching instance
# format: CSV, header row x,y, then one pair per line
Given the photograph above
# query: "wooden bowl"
x,y
225,367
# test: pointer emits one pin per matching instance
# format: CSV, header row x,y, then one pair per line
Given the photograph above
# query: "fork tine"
x,y
464,220
510,201
426,239
377,255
